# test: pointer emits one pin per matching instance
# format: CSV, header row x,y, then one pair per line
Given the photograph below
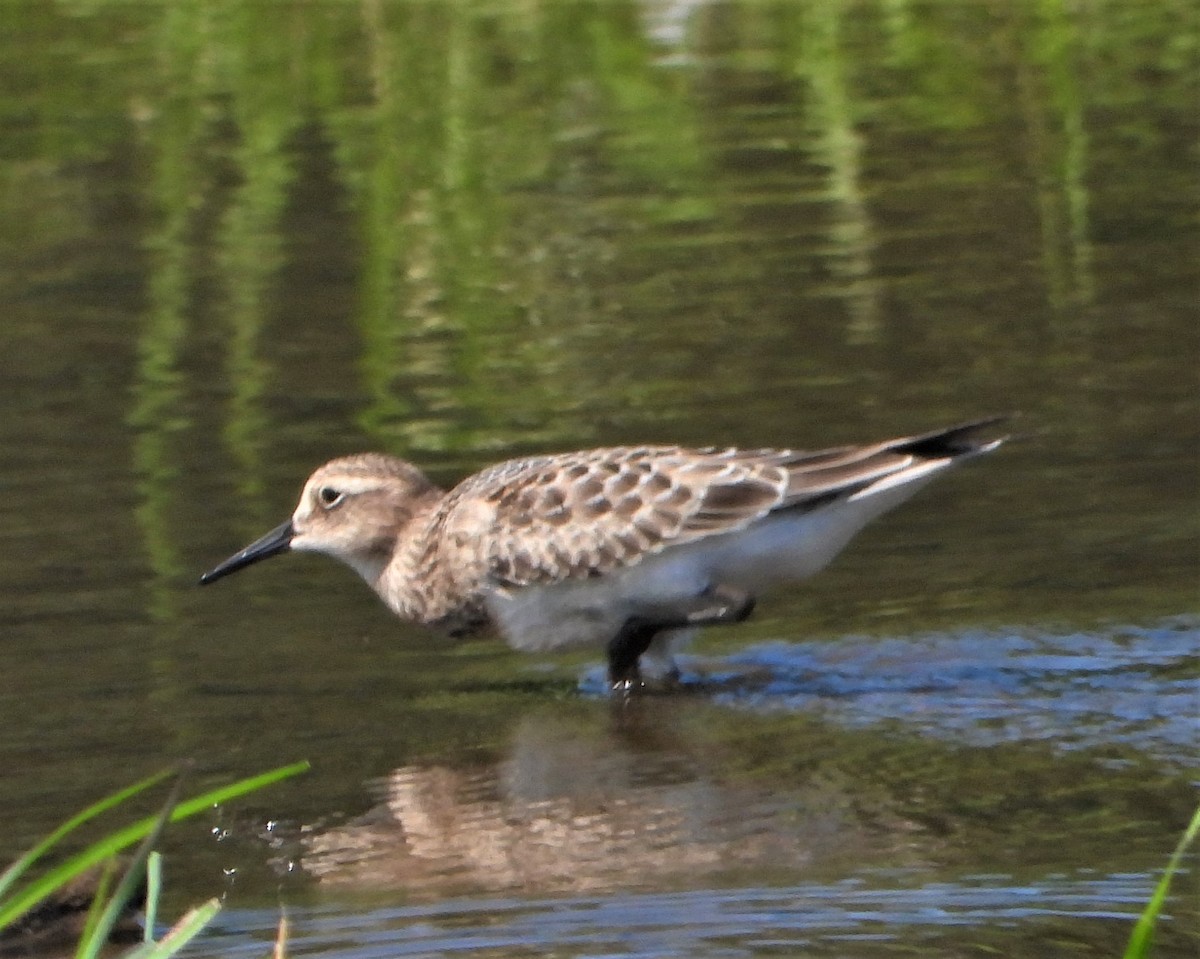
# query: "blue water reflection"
x,y
1135,686
732,922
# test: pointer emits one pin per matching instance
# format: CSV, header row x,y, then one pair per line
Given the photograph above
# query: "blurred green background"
x,y
240,238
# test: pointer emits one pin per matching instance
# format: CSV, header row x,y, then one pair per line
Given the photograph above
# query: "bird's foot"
x,y
625,688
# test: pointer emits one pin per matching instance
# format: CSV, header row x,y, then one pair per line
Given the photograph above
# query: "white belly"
x,y
780,548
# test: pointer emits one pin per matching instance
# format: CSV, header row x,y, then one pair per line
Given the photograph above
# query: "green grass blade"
x,y
96,906
17,869
153,892
113,843
1143,932
96,934
183,932
189,807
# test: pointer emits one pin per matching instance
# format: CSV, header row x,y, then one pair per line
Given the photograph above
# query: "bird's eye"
x,y
329,496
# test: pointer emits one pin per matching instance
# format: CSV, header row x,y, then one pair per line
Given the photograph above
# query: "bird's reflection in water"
x,y
580,805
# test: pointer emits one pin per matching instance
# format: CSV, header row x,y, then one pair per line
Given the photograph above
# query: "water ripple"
x,y
732,922
1132,686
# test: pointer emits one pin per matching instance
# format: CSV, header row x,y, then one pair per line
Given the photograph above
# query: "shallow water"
x,y
1132,686
238,241
840,920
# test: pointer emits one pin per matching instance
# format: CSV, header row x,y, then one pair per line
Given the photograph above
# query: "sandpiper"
x,y
623,548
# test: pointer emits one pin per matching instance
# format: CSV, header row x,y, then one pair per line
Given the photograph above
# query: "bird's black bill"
x,y
279,540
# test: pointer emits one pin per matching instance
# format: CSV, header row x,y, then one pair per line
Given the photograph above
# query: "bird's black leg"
x,y
626,648
716,604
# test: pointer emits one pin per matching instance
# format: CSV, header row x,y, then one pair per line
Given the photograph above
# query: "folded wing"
x,y
557,518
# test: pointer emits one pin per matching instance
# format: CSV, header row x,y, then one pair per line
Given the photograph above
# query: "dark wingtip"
x,y
961,440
